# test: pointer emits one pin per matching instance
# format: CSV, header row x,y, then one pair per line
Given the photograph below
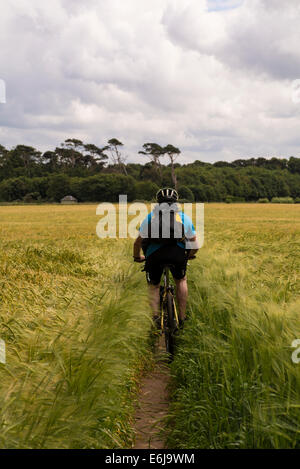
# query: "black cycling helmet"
x,y
167,195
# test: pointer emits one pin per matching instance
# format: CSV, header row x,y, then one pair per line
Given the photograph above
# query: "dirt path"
x,y
153,404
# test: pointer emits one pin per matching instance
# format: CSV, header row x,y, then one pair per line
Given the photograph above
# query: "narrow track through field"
x,y
153,404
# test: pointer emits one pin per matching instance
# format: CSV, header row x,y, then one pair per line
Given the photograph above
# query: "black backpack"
x,y
165,227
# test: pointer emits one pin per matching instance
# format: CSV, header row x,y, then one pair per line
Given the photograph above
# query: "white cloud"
x,y
223,4
215,83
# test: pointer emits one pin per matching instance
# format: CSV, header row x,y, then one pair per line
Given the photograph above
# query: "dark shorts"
x,y
174,255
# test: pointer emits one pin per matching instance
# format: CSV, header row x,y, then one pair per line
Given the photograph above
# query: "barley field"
x,y
75,329
75,319
235,384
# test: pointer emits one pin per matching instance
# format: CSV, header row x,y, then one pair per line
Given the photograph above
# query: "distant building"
x,y
68,200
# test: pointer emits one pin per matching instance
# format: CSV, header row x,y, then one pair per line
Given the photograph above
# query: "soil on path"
x,y
153,404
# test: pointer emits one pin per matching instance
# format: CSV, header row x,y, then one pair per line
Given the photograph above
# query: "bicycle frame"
x,y
167,288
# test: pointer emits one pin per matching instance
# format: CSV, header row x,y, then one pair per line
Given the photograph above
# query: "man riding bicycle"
x,y
163,236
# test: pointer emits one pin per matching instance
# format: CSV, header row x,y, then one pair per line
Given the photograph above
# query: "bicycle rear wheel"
x,y
170,325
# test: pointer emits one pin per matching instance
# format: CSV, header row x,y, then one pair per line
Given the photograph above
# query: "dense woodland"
x,y
92,173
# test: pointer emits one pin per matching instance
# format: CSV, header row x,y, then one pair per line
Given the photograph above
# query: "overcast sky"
x,y
214,77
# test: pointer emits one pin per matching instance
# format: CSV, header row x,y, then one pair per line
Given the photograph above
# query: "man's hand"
x,y
192,256
139,259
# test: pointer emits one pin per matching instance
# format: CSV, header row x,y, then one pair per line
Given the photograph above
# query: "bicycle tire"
x,y
170,325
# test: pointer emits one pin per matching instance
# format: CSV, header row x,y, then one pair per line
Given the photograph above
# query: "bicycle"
x,y
168,321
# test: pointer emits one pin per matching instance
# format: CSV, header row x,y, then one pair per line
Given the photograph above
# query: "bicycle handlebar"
x,y
140,261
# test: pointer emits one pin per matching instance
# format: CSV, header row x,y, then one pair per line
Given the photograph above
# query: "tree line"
x,y
93,173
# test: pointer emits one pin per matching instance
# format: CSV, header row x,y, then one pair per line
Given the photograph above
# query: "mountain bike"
x,y
168,320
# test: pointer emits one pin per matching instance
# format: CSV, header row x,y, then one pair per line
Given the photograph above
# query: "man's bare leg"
x,y
181,295
154,299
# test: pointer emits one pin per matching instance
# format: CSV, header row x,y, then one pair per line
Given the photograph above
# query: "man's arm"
x,y
137,246
192,252
192,244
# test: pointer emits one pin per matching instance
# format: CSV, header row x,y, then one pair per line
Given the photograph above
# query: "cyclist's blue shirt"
x,y
189,231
